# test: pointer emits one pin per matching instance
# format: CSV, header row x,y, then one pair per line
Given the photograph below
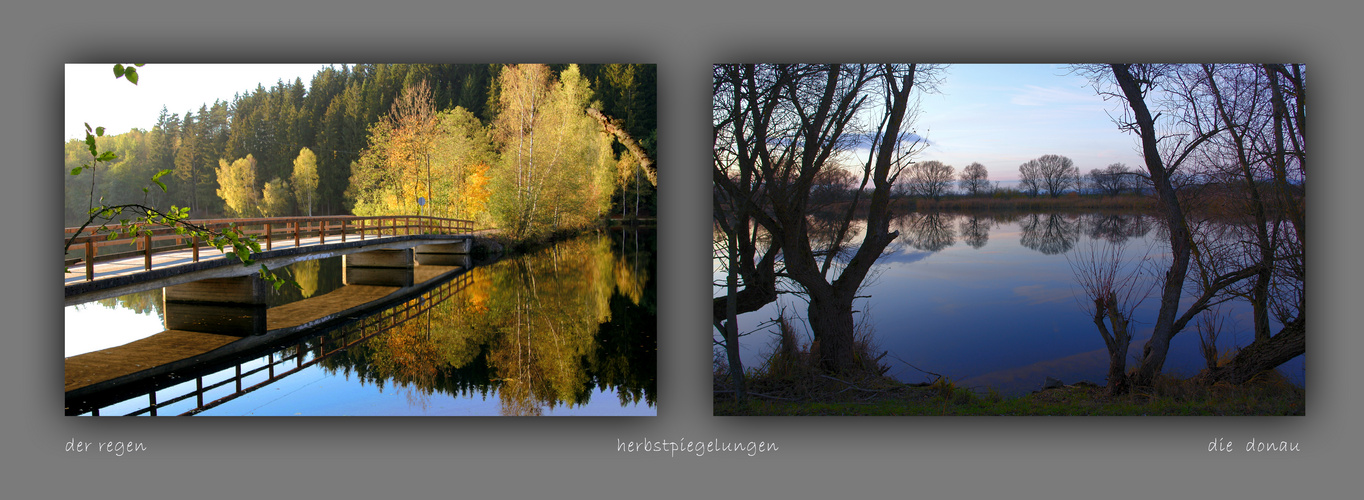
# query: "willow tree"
x,y
790,122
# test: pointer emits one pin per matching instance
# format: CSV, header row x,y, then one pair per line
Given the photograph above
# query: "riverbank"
x,y
494,243
1271,394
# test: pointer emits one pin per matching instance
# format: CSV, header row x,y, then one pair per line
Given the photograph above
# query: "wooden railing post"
x,y
267,236
343,229
147,251
296,244
322,233
194,243
89,260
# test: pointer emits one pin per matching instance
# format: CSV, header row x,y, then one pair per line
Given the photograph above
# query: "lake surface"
x,y
991,301
567,330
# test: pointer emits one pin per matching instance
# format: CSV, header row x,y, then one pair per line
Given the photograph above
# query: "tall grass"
x,y
792,371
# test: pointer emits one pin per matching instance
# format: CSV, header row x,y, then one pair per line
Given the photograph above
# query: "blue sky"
x,y
1000,115
1003,115
93,95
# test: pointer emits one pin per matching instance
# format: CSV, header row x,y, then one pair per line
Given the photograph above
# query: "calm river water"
x,y
991,301
568,330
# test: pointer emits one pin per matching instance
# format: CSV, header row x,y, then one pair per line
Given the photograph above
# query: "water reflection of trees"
x,y
1051,234
314,277
1117,228
306,274
541,331
975,230
147,302
926,231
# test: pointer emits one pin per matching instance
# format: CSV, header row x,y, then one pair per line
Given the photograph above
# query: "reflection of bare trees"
x,y
1051,234
830,236
975,230
1117,228
927,231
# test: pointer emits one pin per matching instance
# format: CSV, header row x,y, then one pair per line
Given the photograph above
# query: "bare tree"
x,y
1030,177
1261,109
929,179
975,180
1115,286
738,193
1184,139
1112,180
1056,173
788,123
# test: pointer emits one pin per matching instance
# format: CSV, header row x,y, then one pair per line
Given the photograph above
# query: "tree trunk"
x,y
1181,243
612,127
1117,342
1261,355
731,323
831,321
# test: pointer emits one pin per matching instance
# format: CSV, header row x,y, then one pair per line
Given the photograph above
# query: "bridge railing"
x,y
89,246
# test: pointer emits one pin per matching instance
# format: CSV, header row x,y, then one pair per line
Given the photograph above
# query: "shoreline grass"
x,y
1270,395
790,382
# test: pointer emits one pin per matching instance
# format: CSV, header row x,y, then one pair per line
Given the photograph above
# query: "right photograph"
x,y
1009,239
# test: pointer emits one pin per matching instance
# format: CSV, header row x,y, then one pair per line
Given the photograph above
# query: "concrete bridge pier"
x,y
226,306
379,268
454,254
445,260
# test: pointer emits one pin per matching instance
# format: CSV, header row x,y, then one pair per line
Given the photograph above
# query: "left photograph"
x,y
357,239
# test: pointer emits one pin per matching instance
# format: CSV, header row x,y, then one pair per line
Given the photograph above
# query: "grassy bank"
x,y
790,382
1272,395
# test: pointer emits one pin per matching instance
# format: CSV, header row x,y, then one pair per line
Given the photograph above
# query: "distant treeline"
x,y
332,116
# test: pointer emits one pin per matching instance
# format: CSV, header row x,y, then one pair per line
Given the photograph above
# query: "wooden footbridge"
x,y
98,267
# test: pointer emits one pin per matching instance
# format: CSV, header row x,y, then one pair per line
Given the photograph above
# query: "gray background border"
x,y
477,457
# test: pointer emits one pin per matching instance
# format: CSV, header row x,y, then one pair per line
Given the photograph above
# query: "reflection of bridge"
x,y
99,267
225,367
215,308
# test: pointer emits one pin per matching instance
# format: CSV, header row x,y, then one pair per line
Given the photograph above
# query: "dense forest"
x,y
511,146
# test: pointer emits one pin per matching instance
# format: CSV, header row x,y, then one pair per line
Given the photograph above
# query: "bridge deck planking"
x,y
143,354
